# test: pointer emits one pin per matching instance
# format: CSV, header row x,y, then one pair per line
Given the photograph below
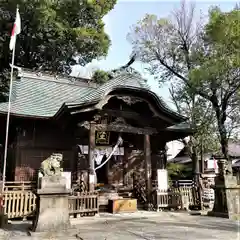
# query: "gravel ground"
x,y
146,226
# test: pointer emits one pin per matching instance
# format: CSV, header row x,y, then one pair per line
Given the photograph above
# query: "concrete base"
x,y
69,233
52,213
52,206
3,220
227,198
218,214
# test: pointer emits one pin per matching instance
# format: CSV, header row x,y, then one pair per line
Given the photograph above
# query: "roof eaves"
x,y
26,115
156,97
99,94
83,104
182,127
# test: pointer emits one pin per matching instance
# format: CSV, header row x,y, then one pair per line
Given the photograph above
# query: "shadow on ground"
x,y
197,223
18,226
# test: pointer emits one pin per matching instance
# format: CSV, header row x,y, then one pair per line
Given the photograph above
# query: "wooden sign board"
x,y
102,137
122,205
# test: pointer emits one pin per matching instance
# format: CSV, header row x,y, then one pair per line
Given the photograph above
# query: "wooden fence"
x,y
180,183
179,198
168,200
20,201
188,195
85,203
19,204
20,186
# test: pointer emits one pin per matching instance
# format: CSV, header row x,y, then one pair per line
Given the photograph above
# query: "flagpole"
x,y
8,118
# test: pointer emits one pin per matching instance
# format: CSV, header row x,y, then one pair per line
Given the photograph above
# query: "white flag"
x,y
15,31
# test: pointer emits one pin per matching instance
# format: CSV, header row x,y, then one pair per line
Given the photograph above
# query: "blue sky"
x,y
118,23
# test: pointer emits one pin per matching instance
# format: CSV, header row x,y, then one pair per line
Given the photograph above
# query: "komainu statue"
x,y
52,165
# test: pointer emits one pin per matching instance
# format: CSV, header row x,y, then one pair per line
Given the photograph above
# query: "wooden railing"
x,y
85,203
20,186
188,194
180,183
181,198
19,204
19,201
168,200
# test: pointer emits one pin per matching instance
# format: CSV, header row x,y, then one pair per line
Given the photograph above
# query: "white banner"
x,y
103,150
162,179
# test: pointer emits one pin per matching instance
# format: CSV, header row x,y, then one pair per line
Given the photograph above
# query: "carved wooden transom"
x,y
129,100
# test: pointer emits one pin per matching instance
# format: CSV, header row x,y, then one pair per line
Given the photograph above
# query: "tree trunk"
x,y
195,165
223,140
221,118
192,152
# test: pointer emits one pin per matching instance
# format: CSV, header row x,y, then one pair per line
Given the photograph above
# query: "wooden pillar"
x,y
125,167
148,171
164,163
154,161
91,146
162,174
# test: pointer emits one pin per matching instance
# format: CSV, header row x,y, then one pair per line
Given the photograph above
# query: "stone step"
x,y
125,194
104,197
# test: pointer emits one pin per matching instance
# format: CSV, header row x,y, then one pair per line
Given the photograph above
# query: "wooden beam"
x,y
119,127
99,106
127,115
125,128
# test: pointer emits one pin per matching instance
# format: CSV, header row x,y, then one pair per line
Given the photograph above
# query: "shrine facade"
x,y
85,122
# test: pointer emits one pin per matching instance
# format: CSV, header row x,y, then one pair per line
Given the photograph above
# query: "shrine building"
x,y
84,121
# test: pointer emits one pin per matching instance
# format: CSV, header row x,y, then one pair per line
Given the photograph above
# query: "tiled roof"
x,y
236,163
124,80
180,127
41,96
127,81
35,97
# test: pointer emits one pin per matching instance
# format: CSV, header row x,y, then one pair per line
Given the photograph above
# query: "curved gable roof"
x,y
45,97
128,82
122,81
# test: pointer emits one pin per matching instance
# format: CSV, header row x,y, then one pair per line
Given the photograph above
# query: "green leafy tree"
x,y
176,171
55,34
217,75
165,45
191,56
100,76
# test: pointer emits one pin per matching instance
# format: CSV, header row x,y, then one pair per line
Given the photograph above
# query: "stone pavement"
x,y
137,226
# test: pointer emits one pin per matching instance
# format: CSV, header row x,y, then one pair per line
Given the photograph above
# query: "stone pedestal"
x,y
67,175
3,221
226,196
52,205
